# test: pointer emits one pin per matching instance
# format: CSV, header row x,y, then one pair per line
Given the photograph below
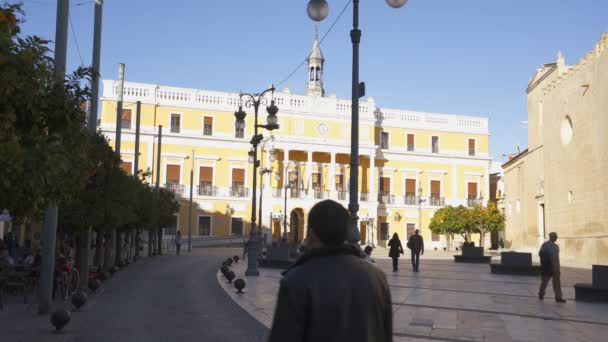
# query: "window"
x,y
238,183
316,181
410,143
471,147
340,182
173,173
384,140
127,167
385,185
175,123
410,192
471,190
435,189
206,181
239,133
435,144
383,230
411,227
126,118
208,125
237,226
204,225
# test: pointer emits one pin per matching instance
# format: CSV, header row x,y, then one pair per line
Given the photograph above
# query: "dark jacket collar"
x,y
345,249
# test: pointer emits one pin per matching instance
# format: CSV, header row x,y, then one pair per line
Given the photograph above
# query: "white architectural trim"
x,y
438,172
173,155
206,157
411,170
473,174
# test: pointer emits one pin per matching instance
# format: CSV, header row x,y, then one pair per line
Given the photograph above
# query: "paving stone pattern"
x,y
446,301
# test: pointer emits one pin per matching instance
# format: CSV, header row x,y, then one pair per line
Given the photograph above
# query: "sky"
x,y
458,57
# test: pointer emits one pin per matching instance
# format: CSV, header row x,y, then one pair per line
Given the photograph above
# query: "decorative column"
x,y
332,173
372,175
309,175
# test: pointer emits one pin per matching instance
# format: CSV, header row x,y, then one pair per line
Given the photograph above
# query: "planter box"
x,y
484,259
278,256
533,270
474,252
600,277
588,293
515,259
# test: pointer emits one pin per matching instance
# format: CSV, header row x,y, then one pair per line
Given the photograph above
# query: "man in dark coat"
x,y
416,246
549,264
331,294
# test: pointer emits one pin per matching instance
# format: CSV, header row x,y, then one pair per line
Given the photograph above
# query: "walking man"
x,y
549,263
416,246
178,241
331,293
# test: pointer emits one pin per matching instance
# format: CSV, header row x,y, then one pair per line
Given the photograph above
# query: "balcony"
x,y
471,202
343,195
472,152
207,190
320,194
239,191
296,193
176,189
386,197
411,199
410,147
436,201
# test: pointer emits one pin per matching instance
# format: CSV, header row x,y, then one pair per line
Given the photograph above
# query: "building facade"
x,y
558,183
411,163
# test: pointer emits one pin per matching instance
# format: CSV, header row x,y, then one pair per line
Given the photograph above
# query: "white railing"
x,y
287,102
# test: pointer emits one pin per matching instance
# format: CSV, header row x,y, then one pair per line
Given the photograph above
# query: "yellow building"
x,y
411,163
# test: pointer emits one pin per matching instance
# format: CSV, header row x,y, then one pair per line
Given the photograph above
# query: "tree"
x,y
486,220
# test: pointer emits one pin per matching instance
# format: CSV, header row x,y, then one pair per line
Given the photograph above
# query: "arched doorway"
x,y
296,225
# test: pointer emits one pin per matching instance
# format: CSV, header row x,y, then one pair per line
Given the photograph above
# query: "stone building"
x,y
558,183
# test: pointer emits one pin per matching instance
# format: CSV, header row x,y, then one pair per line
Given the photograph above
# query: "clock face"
x,y
323,129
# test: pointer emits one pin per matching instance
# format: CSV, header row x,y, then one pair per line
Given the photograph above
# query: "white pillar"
x,y
309,174
332,173
372,175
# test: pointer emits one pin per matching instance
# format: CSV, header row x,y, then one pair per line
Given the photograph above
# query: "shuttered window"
x,y
435,188
208,125
206,175
435,144
410,142
175,123
410,187
472,190
238,177
237,226
471,147
385,184
126,118
173,172
126,166
204,225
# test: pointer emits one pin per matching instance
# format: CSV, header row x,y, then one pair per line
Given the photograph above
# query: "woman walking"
x,y
395,251
178,241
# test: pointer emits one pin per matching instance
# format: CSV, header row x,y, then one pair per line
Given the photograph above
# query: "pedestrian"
x,y
10,241
395,251
368,254
416,246
245,249
178,241
331,294
549,264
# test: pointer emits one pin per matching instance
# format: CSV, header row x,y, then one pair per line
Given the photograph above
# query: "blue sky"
x,y
462,57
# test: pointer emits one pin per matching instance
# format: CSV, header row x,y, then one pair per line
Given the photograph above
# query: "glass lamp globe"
x,y
317,10
396,3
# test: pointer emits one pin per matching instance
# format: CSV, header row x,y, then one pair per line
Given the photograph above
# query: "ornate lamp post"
x,y
317,11
255,100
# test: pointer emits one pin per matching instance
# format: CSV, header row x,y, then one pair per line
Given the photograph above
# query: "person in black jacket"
x,y
331,294
395,251
416,245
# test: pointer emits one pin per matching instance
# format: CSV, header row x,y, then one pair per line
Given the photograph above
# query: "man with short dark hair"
x,y
549,264
331,293
416,246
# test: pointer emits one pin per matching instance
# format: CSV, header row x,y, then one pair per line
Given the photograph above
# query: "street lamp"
x,y
255,100
286,187
420,201
317,11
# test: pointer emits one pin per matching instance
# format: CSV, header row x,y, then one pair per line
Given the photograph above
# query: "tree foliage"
x,y
465,221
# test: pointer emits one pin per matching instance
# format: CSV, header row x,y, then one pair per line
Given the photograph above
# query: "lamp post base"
x,y
252,256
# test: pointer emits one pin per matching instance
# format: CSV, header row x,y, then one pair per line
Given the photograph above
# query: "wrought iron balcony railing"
x,y
239,191
435,201
343,195
411,200
471,202
175,188
207,190
386,197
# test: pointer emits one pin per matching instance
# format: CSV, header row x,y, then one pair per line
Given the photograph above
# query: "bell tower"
x,y
315,70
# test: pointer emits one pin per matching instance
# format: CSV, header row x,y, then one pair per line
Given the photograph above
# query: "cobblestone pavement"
x,y
164,298
460,302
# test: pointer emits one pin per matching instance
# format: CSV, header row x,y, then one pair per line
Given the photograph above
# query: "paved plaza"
x,y
460,302
160,299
